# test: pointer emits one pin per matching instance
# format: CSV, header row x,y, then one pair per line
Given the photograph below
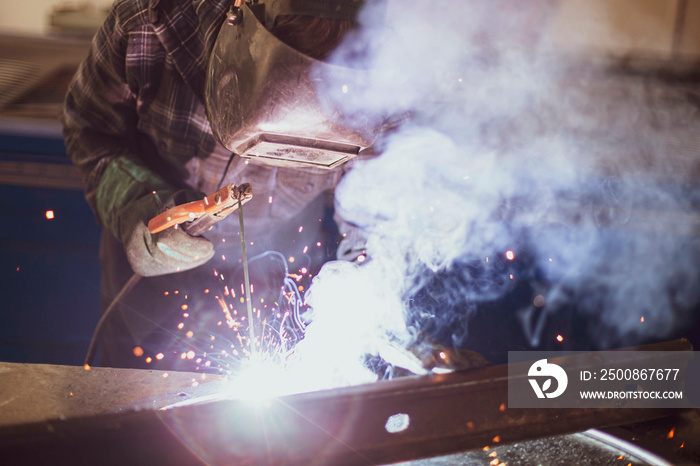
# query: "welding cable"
x,y
128,286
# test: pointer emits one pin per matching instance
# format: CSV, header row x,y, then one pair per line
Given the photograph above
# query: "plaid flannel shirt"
x,y
140,93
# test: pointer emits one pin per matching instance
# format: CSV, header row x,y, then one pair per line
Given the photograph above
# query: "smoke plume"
x,y
576,166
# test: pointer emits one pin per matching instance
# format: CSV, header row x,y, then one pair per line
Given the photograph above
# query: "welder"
x,y
176,99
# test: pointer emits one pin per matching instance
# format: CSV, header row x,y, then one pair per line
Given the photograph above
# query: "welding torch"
x,y
198,217
195,218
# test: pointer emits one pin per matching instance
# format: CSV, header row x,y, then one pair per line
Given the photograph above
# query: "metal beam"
x,y
379,423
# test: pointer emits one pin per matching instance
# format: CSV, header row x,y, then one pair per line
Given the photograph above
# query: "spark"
x,y
497,439
87,367
493,454
642,319
494,462
165,375
560,338
160,356
49,215
361,258
470,425
671,433
510,255
291,259
269,200
138,351
180,325
148,360
502,407
345,89
301,228
229,318
184,307
190,354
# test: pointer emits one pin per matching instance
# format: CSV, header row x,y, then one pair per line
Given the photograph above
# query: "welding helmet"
x,y
262,96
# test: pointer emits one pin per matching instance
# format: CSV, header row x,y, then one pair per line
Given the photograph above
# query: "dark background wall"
x,y
49,270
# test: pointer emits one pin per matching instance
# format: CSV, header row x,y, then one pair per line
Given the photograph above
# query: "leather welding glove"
x,y
128,196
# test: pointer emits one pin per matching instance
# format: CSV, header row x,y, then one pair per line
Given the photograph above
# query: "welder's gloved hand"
x,y
126,202
169,251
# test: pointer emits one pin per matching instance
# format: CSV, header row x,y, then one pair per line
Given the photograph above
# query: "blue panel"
x,y
49,270
32,144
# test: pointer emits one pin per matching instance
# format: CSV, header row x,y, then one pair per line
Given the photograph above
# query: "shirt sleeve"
x,y
99,113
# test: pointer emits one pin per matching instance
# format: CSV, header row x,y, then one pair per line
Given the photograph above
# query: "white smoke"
x,y
511,145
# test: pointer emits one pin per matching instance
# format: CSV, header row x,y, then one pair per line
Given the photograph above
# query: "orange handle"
x,y
219,204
